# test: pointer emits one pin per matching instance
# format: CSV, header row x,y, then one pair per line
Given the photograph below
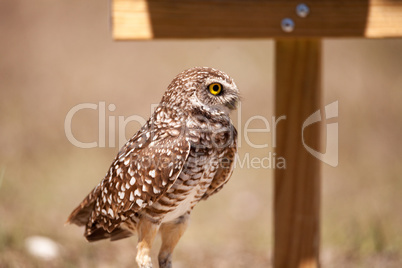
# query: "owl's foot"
x,y
146,234
165,260
144,261
171,233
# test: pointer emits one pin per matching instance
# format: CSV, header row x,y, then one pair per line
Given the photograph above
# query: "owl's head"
x,y
203,88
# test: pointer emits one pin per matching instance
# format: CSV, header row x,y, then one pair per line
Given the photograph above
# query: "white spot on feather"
x,y
110,212
137,192
139,202
156,191
132,181
174,132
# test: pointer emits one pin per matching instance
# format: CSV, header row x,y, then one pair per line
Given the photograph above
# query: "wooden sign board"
x,y
144,20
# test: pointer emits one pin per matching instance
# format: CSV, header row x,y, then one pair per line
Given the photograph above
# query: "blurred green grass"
x,y
63,55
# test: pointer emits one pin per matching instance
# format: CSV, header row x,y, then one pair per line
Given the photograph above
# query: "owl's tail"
x,y
82,213
94,232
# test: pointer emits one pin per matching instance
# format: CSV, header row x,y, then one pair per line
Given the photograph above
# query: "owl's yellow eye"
x,y
215,88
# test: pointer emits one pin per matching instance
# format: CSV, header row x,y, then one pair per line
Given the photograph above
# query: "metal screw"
x,y
287,25
302,10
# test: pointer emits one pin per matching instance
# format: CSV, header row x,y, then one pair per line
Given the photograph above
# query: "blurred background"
x,y
55,55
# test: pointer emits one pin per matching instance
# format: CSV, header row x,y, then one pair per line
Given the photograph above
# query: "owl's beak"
x,y
232,104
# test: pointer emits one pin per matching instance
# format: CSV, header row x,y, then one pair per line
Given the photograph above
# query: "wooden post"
x,y
297,188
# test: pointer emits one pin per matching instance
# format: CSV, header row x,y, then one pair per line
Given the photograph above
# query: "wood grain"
x,y
297,188
149,19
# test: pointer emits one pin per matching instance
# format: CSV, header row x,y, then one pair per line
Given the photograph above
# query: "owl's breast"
x,y
207,133
190,186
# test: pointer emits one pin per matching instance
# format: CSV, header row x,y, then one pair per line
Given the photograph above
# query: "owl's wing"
x,y
145,168
225,169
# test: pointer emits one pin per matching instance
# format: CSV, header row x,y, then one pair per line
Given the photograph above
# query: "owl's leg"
x,y
146,234
171,233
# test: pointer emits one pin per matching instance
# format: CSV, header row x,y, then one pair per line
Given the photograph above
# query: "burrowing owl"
x,y
183,154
